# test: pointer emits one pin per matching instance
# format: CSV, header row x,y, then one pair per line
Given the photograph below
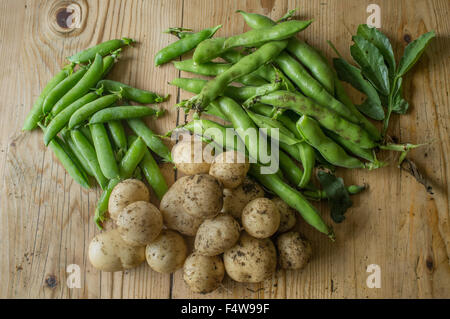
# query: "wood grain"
x,y
46,218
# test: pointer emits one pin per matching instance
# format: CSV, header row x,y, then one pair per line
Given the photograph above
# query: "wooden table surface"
x,y
46,218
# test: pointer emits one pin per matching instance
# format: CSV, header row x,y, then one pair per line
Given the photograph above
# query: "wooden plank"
x,y
46,218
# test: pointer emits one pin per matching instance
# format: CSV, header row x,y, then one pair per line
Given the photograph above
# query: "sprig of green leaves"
x,y
378,77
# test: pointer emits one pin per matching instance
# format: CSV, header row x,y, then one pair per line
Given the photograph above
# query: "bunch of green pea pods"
x,y
83,117
284,83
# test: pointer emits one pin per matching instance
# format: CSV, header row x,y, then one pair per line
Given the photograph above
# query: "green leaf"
x,y
337,195
371,62
375,112
399,104
413,52
346,72
378,39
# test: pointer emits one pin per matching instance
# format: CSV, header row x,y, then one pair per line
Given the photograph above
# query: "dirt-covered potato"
x,y
260,218
251,259
191,157
287,215
109,252
203,274
216,235
294,251
202,196
125,193
167,252
230,168
236,199
139,223
172,210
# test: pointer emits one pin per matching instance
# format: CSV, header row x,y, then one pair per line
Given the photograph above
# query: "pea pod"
x,y
73,151
61,120
109,61
331,151
246,65
127,166
151,139
101,49
242,124
130,93
117,132
214,69
62,88
123,112
88,81
212,48
153,175
224,137
366,154
184,45
293,198
306,54
103,148
83,113
327,118
241,93
151,171
36,114
307,83
77,173
268,123
90,157
135,154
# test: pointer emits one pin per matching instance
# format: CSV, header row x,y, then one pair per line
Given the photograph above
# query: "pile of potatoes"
x,y
234,226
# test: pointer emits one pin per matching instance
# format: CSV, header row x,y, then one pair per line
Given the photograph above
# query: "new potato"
x,y
260,218
202,196
139,223
294,251
167,252
125,193
230,168
236,199
203,274
287,215
216,235
109,252
192,156
173,212
251,259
